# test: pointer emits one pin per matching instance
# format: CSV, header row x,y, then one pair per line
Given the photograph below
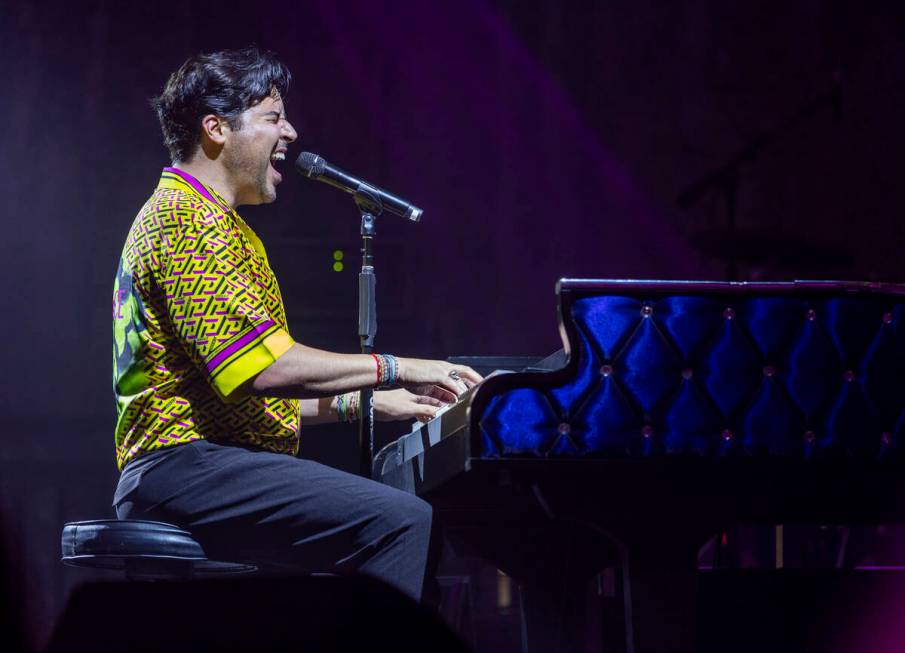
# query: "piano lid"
x,y
798,369
626,285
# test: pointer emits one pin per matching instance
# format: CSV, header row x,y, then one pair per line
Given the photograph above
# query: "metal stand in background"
x,y
725,179
370,207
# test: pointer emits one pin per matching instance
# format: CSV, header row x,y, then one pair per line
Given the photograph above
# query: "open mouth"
x,y
277,157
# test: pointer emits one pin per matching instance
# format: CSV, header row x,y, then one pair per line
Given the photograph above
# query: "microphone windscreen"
x,y
310,164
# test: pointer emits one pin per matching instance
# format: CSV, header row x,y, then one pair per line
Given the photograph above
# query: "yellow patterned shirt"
x,y
197,313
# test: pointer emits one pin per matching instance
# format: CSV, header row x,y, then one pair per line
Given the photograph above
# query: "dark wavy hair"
x,y
224,83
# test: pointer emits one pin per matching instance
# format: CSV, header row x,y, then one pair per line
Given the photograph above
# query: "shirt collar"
x,y
180,179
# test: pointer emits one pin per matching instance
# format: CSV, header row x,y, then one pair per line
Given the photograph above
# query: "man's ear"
x,y
214,128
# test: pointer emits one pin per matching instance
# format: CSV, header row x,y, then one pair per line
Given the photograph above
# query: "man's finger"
x,y
431,401
469,375
425,413
447,393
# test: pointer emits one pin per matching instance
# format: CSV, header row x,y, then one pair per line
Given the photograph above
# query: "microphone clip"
x,y
367,201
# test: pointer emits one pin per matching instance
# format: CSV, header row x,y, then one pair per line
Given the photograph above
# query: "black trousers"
x,y
245,504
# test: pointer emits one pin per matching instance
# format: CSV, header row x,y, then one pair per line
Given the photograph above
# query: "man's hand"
x,y
437,379
390,405
307,373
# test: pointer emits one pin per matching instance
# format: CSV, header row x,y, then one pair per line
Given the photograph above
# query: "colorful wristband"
x,y
347,407
387,369
341,408
393,369
354,406
380,365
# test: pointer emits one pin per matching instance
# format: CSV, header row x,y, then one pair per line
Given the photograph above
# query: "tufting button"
x,y
849,376
886,438
811,314
647,310
647,431
606,370
887,318
729,313
687,373
564,428
810,436
769,370
726,434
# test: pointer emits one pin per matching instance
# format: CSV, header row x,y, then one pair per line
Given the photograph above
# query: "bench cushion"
x,y
146,548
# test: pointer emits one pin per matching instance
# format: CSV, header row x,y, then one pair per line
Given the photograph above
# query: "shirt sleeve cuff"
x,y
230,380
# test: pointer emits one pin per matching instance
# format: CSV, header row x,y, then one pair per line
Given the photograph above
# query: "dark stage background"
x,y
543,139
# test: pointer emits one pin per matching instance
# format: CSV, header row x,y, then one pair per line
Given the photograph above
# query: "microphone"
x,y
315,167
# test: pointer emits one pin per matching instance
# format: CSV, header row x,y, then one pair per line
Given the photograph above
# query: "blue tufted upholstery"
x,y
794,370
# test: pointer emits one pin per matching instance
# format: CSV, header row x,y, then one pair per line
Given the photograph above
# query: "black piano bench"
x,y
144,550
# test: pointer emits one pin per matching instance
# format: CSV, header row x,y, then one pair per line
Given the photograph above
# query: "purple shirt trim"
x,y
194,183
256,331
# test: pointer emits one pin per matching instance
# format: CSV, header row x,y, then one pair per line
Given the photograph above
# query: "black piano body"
x,y
682,408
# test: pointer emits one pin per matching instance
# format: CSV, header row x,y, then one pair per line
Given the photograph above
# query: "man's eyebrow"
x,y
273,113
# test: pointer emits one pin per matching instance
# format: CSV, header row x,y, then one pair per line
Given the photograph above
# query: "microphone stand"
x,y
370,206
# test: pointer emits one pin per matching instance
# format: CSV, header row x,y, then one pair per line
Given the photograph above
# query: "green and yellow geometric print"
x,y
197,313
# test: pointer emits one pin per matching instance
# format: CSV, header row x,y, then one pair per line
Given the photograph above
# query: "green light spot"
x,y
337,255
338,267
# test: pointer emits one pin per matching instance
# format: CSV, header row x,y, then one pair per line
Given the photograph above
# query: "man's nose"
x,y
289,132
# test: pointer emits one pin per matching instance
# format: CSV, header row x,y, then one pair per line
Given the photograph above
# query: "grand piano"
x,y
678,409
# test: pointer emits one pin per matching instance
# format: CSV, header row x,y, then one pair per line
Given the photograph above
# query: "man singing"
x,y
210,386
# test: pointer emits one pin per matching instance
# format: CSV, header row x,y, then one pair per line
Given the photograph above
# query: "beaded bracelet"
x,y
393,371
342,408
354,406
387,369
347,407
